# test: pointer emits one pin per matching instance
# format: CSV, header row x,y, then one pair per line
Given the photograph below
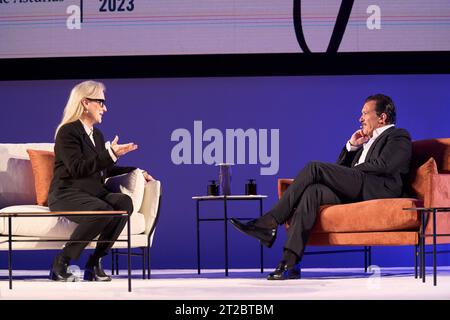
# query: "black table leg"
x,y
10,251
422,237
419,245
198,236
129,253
261,246
434,248
226,233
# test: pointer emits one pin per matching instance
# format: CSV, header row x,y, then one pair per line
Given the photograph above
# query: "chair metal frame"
x,y
144,251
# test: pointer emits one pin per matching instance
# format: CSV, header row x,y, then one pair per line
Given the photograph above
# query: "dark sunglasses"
x,y
101,102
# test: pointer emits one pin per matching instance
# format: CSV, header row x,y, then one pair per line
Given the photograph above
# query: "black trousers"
x,y
107,228
317,184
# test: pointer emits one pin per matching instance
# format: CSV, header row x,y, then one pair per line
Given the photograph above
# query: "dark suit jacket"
x,y
386,166
81,165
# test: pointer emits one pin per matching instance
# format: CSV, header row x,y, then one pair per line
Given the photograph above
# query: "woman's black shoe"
x,y
282,272
59,272
94,271
266,235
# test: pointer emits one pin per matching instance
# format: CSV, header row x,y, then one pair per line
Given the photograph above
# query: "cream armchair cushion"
x,y
16,176
132,184
54,227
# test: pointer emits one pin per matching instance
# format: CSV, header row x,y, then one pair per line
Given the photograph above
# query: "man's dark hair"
x,y
384,104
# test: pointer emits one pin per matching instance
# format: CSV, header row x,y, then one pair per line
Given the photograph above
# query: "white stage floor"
x,y
242,284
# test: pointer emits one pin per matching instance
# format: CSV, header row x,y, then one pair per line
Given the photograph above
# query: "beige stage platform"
x,y
242,284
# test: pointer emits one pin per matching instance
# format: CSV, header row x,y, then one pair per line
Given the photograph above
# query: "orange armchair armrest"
x,y
439,197
440,190
283,184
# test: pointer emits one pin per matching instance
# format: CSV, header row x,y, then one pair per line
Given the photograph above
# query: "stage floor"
x,y
242,284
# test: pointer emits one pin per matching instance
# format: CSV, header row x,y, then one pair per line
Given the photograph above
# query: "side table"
x,y
423,235
225,199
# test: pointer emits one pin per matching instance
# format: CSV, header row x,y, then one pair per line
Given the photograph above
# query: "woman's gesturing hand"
x,y
121,149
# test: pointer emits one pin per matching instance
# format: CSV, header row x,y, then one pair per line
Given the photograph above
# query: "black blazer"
x,y
386,167
81,165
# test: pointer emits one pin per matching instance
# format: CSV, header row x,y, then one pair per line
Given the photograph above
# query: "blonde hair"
x,y
74,108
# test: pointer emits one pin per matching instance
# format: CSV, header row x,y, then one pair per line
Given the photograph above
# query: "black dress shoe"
x,y
282,272
94,271
265,235
58,271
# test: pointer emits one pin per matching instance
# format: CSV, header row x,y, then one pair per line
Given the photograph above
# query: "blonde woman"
x,y
82,162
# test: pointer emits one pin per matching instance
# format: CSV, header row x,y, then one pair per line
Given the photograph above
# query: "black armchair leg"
x,y
416,255
143,262
148,263
365,259
112,261
117,263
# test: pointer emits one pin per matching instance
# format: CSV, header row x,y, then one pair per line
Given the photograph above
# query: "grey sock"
x,y
267,221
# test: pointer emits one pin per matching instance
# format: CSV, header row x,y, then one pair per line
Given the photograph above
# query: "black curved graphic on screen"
x,y
81,11
341,24
338,31
298,26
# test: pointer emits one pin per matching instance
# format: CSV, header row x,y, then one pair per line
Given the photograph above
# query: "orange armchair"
x,y
383,222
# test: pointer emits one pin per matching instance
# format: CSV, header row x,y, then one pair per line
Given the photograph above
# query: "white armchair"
x,y
17,194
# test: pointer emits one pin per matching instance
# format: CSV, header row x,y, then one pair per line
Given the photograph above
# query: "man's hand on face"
x,y
358,138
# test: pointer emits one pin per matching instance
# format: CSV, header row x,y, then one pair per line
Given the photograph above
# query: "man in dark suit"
x,y
373,164
82,163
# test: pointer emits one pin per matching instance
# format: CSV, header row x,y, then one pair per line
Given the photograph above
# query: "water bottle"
x,y
225,178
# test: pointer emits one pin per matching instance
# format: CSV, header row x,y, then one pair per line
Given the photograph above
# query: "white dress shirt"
x,y
368,144
90,133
